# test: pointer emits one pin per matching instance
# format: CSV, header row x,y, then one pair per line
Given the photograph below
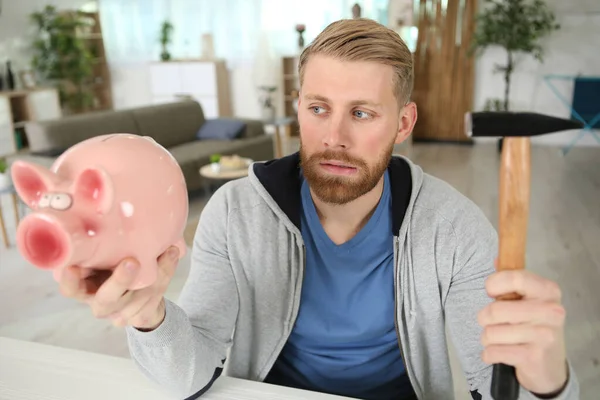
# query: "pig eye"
x,y
44,201
61,201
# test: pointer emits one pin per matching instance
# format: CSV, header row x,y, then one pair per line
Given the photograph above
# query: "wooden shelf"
x,y
100,83
290,84
90,36
17,107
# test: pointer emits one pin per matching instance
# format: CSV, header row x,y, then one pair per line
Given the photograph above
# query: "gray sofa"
x,y
173,125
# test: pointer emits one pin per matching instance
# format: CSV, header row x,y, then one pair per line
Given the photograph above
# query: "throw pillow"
x,y
221,129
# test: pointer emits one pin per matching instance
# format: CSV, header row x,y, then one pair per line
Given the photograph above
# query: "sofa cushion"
x,y
170,124
54,136
254,128
221,129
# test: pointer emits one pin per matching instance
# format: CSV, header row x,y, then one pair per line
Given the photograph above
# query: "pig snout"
x,y
49,242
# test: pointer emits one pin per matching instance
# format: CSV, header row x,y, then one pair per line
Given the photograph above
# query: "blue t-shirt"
x,y
344,341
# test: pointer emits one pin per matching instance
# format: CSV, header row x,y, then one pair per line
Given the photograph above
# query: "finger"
x,y
533,312
167,264
113,294
523,282
105,308
506,354
72,284
518,334
137,302
119,282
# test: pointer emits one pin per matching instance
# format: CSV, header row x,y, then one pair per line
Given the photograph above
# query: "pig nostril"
x,y
44,245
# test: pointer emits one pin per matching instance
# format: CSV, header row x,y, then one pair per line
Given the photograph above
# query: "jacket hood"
x,y
279,182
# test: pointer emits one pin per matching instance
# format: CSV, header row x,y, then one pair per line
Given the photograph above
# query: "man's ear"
x,y
407,121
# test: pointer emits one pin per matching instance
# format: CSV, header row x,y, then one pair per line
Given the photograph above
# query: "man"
x,y
336,269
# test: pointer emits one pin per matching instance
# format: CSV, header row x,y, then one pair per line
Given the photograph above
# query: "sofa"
x,y
174,125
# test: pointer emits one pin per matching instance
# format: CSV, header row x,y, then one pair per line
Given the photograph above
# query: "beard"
x,y
340,190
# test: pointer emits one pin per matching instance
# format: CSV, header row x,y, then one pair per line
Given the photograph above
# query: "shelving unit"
x,y
205,81
20,106
100,84
290,85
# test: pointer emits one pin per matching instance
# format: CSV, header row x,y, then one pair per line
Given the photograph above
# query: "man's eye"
x,y
316,109
361,114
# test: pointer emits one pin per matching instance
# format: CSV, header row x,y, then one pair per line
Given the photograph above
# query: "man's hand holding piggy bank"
x,y
105,216
109,297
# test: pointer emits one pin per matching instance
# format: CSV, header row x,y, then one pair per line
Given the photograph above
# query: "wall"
x,y
131,89
570,51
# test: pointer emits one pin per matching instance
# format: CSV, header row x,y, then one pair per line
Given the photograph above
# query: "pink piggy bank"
x,y
104,199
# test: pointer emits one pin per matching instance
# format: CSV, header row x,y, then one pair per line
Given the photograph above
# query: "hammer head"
x,y
515,124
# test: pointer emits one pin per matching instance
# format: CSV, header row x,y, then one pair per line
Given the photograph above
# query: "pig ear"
x,y
94,187
31,181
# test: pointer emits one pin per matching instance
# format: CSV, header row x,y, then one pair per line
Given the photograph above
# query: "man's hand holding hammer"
x,y
523,333
528,333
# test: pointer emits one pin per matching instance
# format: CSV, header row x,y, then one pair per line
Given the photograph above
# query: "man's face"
x,y
349,122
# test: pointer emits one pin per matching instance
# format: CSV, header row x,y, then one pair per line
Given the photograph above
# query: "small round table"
x,y
209,172
285,123
220,176
10,190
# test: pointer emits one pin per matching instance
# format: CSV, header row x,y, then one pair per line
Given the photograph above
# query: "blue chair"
x,y
584,106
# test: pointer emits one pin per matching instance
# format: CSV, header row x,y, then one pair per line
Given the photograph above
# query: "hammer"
x,y
513,198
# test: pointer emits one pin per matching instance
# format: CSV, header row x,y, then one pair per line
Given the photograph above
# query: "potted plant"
x,y
5,180
165,39
214,162
517,26
266,102
300,28
62,58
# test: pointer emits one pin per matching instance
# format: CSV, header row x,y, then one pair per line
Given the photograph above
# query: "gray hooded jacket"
x,y
242,295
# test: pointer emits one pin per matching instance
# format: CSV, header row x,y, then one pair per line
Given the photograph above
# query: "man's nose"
x,y
336,132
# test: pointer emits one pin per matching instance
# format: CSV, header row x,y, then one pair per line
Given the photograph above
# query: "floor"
x,y
563,245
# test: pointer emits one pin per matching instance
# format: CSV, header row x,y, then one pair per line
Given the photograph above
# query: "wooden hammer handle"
x,y
515,181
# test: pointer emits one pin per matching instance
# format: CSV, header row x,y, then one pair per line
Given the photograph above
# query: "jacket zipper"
x,y
291,325
397,292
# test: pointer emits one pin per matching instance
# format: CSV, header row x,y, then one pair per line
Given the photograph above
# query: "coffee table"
x,y
216,177
209,172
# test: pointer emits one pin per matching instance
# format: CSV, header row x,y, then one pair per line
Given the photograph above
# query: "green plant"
x,y
166,31
215,158
266,99
494,105
62,58
3,166
517,26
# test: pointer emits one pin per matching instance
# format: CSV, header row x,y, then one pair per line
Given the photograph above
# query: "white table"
x,y
35,371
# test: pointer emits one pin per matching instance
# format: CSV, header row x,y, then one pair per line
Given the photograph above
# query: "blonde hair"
x,y
363,39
